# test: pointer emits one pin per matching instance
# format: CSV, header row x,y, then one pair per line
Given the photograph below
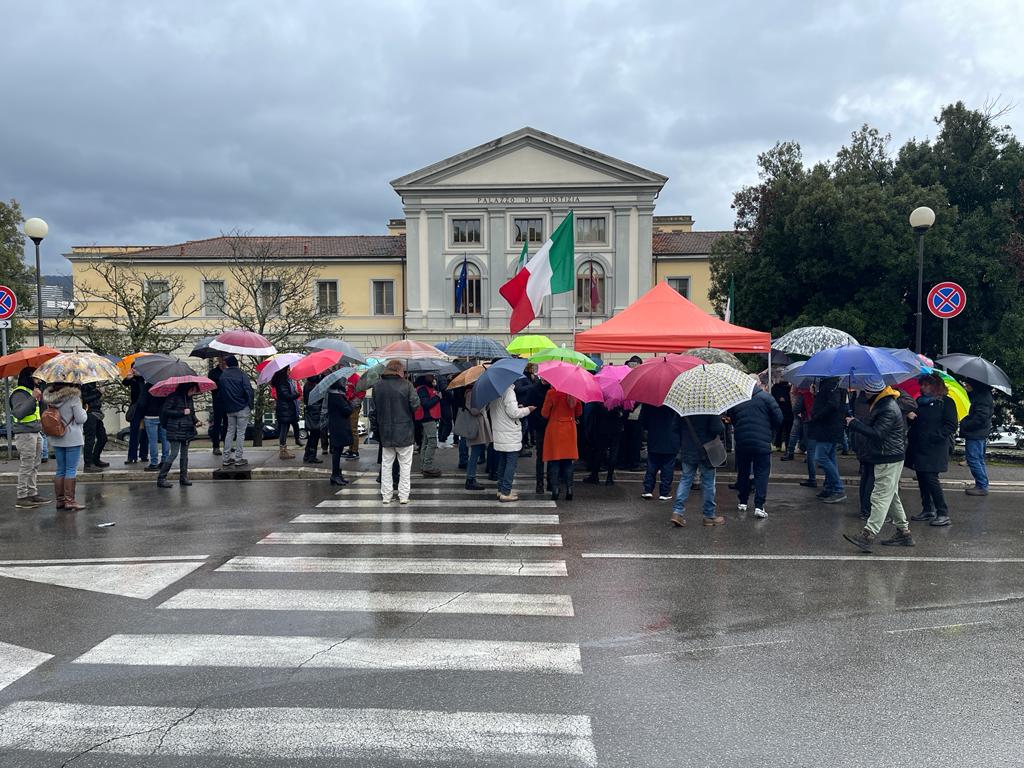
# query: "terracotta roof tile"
x,y
686,243
326,247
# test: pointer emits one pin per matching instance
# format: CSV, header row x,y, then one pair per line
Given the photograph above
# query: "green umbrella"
x,y
531,344
565,356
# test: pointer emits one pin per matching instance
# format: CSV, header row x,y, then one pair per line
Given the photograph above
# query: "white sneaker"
x,y
760,513
741,507
665,498
646,495
510,497
403,501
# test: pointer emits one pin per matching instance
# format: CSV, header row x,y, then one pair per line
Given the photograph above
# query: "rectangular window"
x,y
213,298
590,293
528,230
465,231
327,297
383,297
680,285
270,297
158,296
591,229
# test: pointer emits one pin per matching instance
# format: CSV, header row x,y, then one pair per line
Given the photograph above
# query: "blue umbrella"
x,y
496,379
476,348
856,363
320,390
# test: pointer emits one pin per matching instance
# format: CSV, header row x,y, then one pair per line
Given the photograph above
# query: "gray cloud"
x,y
153,123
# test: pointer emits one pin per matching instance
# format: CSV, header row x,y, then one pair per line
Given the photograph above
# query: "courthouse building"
x,y
474,209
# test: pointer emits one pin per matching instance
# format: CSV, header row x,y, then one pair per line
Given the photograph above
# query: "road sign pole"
x,y
945,337
7,399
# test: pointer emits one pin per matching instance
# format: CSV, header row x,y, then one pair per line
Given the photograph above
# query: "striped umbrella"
x,y
476,348
407,349
709,389
241,342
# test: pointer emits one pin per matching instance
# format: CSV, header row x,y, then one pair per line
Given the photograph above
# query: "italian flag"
x,y
549,271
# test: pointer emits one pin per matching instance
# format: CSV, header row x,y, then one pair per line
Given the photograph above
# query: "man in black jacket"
x,y
974,430
219,420
94,431
826,429
754,424
886,433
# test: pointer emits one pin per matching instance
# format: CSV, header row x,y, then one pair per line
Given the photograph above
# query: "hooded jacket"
x,y
235,389
505,414
978,422
884,428
67,400
180,426
755,421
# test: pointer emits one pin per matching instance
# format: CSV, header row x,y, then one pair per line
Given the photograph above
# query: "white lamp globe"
x,y
36,229
921,219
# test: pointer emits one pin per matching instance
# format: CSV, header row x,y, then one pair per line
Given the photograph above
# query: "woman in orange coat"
x,y
560,449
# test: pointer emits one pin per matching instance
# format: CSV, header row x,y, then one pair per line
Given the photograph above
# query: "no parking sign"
x,y
947,300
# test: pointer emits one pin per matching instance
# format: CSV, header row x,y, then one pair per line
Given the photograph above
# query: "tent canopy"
x,y
664,321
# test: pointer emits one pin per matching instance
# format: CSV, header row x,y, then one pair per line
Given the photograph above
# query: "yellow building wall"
x,y
699,272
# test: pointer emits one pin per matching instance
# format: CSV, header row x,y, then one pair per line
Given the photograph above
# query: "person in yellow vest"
x,y
24,406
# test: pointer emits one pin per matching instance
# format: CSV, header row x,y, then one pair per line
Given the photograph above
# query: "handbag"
x,y
466,425
714,449
133,410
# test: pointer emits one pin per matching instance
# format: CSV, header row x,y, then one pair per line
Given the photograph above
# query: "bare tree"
x,y
271,293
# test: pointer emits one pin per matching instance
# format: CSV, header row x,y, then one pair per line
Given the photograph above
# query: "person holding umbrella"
x,y
285,410
825,430
427,415
559,443
24,405
179,420
474,428
505,413
929,439
335,416
67,444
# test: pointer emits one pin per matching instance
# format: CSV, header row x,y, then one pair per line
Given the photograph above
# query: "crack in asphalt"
x,y
321,652
427,612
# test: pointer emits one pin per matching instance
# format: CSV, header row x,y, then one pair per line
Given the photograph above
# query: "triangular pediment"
x,y
529,158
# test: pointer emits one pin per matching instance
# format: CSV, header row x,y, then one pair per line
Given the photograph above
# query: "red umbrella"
x,y
650,381
316,363
167,386
239,342
12,364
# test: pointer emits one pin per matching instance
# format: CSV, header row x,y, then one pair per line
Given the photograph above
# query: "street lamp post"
x,y
921,219
36,230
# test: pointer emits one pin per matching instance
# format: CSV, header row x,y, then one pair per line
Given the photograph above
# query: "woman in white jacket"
x,y
505,414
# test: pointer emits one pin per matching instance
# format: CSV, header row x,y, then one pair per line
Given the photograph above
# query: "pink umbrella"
x,y
572,380
406,349
610,379
239,342
167,386
649,382
316,363
270,367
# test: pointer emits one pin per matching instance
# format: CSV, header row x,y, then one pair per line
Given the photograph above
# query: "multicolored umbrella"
x,y
348,352
496,379
954,389
77,368
241,342
315,363
709,389
467,377
530,344
571,380
16,362
124,365
812,339
977,369
712,355
561,354
319,392
268,368
476,348
167,386
407,349
649,381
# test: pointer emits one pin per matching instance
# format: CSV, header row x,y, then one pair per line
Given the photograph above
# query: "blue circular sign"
x,y
947,300
8,302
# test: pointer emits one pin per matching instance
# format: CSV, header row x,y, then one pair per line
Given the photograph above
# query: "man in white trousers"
x,y
396,401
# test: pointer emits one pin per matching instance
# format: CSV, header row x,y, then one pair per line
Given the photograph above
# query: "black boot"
x,y
941,521
568,492
554,495
183,480
161,482
900,539
473,485
592,479
338,480
787,457
926,514
610,480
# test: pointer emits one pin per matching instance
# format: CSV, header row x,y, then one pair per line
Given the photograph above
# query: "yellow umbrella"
x,y
124,365
531,344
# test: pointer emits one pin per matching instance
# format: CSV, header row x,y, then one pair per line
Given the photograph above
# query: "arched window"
x,y
466,296
590,289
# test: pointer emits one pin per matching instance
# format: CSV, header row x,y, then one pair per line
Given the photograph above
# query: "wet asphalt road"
x,y
760,643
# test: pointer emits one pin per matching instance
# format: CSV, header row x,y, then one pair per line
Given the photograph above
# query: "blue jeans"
x,y
44,448
463,450
665,463
976,462
762,467
825,457
707,482
67,461
507,461
156,435
475,452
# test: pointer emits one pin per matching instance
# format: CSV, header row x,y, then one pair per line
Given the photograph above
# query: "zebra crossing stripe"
x,y
364,601
411,539
414,502
296,733
422,566
453,518
274,652
16,662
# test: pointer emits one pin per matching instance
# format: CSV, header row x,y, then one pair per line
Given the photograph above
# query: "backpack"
x,y
52,423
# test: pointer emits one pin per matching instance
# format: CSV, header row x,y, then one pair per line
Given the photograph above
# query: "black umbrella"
x,y
978,369
156,368
203,350
430,365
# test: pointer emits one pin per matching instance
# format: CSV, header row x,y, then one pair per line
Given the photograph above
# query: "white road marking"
x,y
650,658
364,601
454,518
77,561
287,733
335,653
893,559
423,566
937,626
16,662
139,580
487,495
447,503
405,538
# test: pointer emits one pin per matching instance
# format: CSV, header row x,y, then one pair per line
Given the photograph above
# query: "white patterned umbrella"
x,y
713,389
812,339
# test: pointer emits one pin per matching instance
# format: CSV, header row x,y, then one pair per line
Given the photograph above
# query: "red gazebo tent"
x,y
664,321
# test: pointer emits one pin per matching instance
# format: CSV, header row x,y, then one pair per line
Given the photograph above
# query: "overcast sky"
x,y
154,123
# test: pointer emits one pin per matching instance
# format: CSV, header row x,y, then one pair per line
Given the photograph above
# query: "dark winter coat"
x,y
885,430
314,411
977,424
180,426
287,394
217,395
860,443
754,422
92,399
235,389
395,401
707,428
782,394
149,405
931,434
339,409
664,428
826,425
604,424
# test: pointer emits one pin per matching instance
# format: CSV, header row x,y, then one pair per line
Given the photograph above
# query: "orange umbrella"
x,y
467,377
14,363
124,365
